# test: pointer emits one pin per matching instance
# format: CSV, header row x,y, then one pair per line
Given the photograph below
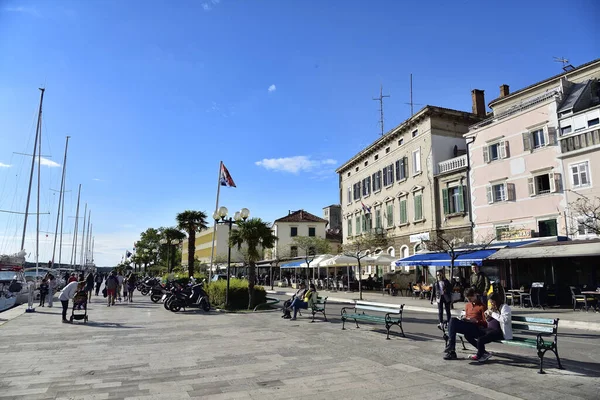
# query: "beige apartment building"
x,y
401,185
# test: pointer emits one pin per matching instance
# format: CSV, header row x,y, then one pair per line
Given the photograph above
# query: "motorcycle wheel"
x,y
144,292
175,306
156,298
205,305
167,303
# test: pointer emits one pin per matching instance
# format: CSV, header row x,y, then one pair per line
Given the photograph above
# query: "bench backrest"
x,y
321,300
533,324
378,307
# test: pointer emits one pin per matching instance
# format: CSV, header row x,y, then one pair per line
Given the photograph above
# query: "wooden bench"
x,y
393,315
540,327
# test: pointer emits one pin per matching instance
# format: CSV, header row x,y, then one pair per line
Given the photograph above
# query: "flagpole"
x,y
212,249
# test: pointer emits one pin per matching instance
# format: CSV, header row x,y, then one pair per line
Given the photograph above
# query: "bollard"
x,y
31,287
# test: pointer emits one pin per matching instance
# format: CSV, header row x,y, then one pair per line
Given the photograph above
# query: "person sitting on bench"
x,y
287,306
309,299
472,326
498,326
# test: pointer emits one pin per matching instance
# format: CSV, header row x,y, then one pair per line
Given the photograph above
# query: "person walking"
x,y
112,283
89,285
68,293
131,279
51,288
442,293
120,290
98,279
479,282
43,292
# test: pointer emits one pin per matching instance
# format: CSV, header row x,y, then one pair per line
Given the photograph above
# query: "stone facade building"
x,y
395,185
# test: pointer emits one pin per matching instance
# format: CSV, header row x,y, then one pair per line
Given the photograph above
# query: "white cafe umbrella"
x,y
342,260
316,262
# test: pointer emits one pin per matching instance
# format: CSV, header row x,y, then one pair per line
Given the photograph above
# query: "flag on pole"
x,y
225,178
366,209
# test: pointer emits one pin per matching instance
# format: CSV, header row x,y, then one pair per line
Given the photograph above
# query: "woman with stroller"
x,y
68,293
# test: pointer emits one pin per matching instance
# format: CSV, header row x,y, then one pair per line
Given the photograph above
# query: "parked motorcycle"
x,y
198,298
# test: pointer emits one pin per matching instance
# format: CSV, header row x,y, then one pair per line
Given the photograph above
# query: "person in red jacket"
x,y
472,326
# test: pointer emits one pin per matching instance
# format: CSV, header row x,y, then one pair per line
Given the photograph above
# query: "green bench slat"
x,y
534,320
367,317
533,328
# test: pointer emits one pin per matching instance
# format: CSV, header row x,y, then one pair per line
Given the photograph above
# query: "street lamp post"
x,y
220,217
164,241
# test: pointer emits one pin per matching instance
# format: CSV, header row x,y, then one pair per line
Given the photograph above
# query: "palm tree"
x,y
191,222
165,252
256,235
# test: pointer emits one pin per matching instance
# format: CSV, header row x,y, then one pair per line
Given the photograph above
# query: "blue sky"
x,y
155,93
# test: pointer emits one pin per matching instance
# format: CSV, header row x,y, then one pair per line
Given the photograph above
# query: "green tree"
x,y
256,235
166,250
358,249
191,222
309,247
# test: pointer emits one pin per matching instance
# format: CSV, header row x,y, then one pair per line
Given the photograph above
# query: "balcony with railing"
x,y
452,164
580,140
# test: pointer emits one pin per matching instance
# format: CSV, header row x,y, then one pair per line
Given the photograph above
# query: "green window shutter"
x,y
446,201
460,207
418,208
463,198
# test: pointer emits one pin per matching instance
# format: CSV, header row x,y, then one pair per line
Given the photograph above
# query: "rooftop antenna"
x,y
565,64
561,60
380,99
411,103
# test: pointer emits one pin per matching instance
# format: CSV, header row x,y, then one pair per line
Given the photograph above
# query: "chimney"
x,y
478,102
504,90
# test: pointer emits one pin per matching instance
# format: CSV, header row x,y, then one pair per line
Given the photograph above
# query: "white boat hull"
x,y
7,302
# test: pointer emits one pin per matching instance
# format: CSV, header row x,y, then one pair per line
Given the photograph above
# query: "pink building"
x,y
517,177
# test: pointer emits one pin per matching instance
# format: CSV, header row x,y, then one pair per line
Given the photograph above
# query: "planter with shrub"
x,y
238,294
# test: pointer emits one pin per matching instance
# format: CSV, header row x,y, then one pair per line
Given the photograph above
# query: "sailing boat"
x,y
13,287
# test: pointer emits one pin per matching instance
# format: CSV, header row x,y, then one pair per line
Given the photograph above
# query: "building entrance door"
x,y
547,228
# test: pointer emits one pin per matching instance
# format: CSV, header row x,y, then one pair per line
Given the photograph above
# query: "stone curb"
x,y
590,326
13,313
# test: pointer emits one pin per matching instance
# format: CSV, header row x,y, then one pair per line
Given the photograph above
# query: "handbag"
x,y
455,297
104,292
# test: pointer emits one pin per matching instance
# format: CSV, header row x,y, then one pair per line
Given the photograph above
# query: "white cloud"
x,y
97,180
24,10
2,165
294,164
206,6
272,88
47,163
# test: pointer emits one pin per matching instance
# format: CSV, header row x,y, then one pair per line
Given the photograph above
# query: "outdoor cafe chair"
x,y
579,298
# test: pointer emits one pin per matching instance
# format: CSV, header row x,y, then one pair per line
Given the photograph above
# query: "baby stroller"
x,y
80,304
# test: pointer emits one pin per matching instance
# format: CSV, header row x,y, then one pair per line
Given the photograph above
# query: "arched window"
x,y
404,251
418,247
391,251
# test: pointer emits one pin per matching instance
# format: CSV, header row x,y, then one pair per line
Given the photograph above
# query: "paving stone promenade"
x,y
142,351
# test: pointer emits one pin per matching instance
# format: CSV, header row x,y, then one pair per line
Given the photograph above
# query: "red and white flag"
x,y
225,178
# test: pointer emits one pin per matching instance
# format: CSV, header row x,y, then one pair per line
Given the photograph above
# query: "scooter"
x,y
197,299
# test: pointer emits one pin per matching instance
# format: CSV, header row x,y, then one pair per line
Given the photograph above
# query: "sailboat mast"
x,y
62,219
37,130
93,242
89,246
83,236
60,201
74,247
87,239
39,182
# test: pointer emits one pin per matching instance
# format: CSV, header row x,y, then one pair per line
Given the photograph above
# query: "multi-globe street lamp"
x,y
220,217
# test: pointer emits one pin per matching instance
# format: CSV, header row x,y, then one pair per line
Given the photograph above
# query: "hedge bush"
x,y
238,294
182,278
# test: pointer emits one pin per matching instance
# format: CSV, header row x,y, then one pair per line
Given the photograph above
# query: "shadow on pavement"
x,y
591,370
106,325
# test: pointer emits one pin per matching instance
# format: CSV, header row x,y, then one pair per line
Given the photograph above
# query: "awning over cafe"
x,y
444,259
550,250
